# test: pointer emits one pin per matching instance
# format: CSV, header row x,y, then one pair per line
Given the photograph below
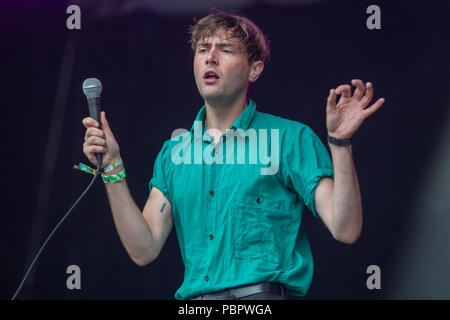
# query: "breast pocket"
x,y
257,226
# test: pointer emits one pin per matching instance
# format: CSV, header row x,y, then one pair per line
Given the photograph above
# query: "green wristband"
x,y
114,177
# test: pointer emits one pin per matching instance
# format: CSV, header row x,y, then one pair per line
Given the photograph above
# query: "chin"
x,y
211,96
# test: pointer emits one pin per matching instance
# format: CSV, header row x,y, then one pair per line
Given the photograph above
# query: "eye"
x,y
227,51
202,50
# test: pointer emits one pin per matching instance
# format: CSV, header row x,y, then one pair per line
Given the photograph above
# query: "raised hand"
x,y
345,117
100,141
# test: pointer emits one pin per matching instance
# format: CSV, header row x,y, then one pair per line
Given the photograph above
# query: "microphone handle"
x,y
94,112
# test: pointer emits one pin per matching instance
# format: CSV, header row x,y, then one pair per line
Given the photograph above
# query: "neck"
x,y
220,115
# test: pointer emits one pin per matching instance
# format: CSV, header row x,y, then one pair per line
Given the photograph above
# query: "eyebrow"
x,y
220,44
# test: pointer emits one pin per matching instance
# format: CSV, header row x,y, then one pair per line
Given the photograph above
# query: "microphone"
x,y
92,88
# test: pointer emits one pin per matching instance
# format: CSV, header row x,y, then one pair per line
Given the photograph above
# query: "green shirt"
x,y
239,222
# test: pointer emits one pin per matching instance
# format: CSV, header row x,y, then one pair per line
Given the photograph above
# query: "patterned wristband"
x,y
113,166
114,177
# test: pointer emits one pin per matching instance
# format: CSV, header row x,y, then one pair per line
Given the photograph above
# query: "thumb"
x,y
331,101
105,124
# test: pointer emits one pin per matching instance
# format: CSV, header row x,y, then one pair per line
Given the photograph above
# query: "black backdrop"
x,y
145,64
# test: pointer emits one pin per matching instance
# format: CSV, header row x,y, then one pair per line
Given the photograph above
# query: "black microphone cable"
x,y
97,172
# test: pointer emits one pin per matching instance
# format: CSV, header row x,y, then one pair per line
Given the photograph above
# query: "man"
x,y
239,229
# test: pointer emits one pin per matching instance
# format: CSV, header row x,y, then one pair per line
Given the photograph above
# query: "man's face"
x,y
221,69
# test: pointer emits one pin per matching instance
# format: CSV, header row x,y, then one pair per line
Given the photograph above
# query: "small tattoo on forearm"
x,y
162,208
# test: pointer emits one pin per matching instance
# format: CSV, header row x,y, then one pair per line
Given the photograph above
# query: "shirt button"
x,y
212,193
211,236
206,278
258,200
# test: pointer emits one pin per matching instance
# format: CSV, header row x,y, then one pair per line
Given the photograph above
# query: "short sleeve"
x,y
307,161
159,179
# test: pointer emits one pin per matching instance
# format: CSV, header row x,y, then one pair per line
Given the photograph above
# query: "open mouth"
x,y
210,76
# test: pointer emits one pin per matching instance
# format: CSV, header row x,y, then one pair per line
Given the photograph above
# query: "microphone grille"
x,y
92,88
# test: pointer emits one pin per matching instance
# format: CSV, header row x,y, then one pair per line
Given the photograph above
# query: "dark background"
x,y
144,62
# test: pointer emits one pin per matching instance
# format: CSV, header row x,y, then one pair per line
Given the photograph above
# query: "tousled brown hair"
x,y
248,34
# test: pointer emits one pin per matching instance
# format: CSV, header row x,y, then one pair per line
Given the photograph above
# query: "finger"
x,y
94,149
94,140
89,122
368,95
331,101
89,154
105,124
345,90
373,108
359,92
94,132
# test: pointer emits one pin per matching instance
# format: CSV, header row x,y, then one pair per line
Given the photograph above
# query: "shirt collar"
x,y
242,122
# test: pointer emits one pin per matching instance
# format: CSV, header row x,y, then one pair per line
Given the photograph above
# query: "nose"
x,y
211,57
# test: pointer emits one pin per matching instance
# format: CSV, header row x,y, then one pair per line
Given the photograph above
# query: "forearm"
x,y
347,207
131,226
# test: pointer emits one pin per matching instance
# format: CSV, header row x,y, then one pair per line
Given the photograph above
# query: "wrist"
x,y
116,170
114,177
336,140
112,166
337,135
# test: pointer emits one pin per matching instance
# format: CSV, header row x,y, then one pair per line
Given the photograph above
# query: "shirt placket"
x,y
211,172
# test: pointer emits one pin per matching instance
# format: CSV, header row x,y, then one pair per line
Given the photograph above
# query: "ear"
x,y
255,70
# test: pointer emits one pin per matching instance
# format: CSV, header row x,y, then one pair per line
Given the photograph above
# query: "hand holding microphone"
x,y
99,142
99,146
